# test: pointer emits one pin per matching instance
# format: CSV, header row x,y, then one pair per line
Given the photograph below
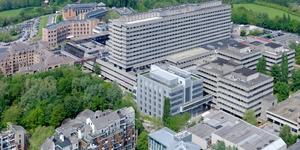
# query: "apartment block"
x,y
57,33
13,138
242,90
83,11
221,126
286,113
184,90
166,139
96,130
139,40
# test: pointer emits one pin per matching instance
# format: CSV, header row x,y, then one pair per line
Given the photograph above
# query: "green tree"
x,y
276,73
97,69
282,91
142,142
39,136
34,118
167,109
57,115
287,136
12,115
295,85
261,65
220,145
177,122
284,69
250,117
243,33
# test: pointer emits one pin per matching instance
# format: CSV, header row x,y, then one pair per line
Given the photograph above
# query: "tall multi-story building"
x,y
13,138
184,90
139,40
96,130
57,33
242,90
166,139
83,11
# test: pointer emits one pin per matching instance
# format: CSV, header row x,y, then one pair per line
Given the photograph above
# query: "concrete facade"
x,y
13,138
184,90
139,40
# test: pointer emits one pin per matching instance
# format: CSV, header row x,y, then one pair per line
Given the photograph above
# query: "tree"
x,y
295,85
261,65
57,115
97,69
142,142
284,69
177,122
167,110
12,115
282,91
243,33
39,136
276,73
287,136
250,117
220,145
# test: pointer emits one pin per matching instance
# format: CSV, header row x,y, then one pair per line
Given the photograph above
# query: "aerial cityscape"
x,y
149,75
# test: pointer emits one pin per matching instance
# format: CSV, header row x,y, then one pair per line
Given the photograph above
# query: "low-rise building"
x,y
166,139
57,33
96,130
286,113
184,90
13,138
221,126
26,58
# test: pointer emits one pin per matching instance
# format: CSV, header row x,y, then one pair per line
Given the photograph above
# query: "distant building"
x,y
25,58
286,113
59,32
221,126
166,139
84,11
139,40
13,138
95,130
184,90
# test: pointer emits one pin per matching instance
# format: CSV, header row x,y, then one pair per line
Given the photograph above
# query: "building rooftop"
x,y
80,6
245,71
177,57
235,130
219,66
289,109
273,45
173,140
165,12
295,146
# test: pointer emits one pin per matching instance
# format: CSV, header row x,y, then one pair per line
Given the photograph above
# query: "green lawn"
x,y
10,13
43,23
272,12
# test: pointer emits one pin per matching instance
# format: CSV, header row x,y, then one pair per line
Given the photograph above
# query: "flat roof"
x,y
245,71
289,109
239,132
187,54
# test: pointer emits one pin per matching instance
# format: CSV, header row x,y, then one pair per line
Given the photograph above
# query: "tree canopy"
x,y
287,136
250,117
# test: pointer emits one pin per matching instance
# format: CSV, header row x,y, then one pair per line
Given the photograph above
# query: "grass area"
x,y
272,12
10,13
43,23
